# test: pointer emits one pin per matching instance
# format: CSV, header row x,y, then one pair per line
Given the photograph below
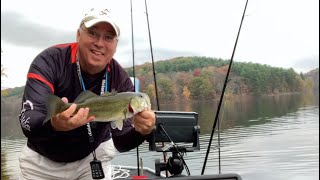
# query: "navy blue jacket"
x,y
54,71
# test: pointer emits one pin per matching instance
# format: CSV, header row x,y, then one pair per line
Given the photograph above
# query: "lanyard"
x,y
104,88
96,167
104,83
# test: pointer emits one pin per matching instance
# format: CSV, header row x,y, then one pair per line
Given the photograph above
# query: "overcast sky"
x,y
280,33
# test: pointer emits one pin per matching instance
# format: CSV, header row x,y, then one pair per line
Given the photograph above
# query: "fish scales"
x,y
110,107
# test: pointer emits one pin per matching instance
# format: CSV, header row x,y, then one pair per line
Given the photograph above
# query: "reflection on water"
x,y
10,151
261,138
244,110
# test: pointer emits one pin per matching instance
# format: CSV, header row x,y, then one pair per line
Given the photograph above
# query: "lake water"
x,y
265,138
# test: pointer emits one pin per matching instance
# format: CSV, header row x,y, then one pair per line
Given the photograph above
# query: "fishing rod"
x,y
223,90
154,75
132,43
134,78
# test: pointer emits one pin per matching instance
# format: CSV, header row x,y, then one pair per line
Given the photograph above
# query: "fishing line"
x,y
154,72
219,147
132,43
176,148
222,94
219,125
134,77
117,172
154,75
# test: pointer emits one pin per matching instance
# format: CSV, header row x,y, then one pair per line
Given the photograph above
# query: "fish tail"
x,y
117,124
55,105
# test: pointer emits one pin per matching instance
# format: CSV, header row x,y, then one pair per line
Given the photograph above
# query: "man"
x,y
61,148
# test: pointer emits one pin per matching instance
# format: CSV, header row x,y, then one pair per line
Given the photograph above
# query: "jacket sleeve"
x,y
128,138
40,80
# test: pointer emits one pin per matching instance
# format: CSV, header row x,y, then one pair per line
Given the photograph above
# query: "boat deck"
x,y
130,172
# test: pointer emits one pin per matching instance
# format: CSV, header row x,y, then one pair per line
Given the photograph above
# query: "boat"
x,y
130,172
177,133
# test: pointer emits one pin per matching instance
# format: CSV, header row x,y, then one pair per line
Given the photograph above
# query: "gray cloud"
x,y
143,55
306,64
17,30
20,31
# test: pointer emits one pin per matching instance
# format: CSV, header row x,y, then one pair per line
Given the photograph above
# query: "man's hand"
x,y
144,122
65,121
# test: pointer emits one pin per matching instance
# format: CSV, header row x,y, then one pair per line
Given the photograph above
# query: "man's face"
x,y
97,46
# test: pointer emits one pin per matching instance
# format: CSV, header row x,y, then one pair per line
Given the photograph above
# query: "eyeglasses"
x,y
96,36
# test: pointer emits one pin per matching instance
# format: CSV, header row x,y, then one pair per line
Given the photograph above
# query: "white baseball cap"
x,y
95,16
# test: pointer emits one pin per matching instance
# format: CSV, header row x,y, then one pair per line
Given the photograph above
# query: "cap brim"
x,y
92,22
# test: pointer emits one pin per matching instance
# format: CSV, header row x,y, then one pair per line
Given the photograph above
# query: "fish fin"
x,y
113,125
125,110
100,120
112,93
107,94
84,95
54,106
117,124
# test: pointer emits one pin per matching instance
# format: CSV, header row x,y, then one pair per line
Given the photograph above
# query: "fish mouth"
x,y
144,107
130,108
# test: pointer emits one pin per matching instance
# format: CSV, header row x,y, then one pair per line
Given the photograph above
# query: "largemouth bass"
x,y
110,107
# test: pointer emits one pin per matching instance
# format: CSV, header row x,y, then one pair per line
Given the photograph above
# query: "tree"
x,y
201,87
3,73
186,93
166,88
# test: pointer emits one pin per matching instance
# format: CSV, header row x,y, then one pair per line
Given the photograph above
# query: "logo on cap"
x,y
104,12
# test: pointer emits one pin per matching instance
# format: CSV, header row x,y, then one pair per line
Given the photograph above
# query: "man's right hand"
x,y
64,121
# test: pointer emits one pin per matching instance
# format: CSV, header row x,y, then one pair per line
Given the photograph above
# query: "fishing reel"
x,y
180,132
174,165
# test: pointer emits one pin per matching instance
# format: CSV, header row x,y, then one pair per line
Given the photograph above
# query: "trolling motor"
x,y
174,165
180,131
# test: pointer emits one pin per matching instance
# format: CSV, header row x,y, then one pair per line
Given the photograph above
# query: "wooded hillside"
x,y
187,78
192,78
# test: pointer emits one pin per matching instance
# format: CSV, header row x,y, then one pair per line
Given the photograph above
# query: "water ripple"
x,y
286,146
